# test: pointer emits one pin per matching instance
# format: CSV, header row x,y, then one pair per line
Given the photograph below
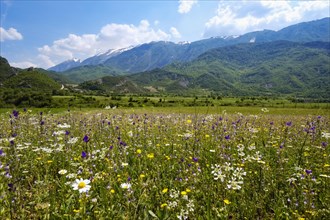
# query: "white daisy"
x,y
125,185
81,185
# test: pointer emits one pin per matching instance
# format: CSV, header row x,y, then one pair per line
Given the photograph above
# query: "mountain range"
x,y
159,54
294,61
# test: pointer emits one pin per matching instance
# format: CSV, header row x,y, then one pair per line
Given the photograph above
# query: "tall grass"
x,y
145,165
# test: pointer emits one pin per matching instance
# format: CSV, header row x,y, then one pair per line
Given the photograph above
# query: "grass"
x,y
165,163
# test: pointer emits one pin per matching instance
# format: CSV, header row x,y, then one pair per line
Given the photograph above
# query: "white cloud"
x,y
175,33
23,65
111,36
185,5
10,34
232,18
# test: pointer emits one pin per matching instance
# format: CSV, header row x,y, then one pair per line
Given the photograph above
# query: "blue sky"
x,y
45,33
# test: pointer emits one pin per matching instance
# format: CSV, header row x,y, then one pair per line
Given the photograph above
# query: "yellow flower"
x,y
163,205
207,136
188,190
151,155
142,176
76,210
189,121
138,151
165,190
183,193
157,145
226,201
167,157
49,161
326,165
112,191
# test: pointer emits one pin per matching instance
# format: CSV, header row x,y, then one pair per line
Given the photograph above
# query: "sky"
x,y
43,33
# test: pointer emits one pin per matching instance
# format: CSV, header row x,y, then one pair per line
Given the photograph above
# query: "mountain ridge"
x,y
137,58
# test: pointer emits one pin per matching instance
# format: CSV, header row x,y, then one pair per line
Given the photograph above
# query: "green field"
x,y
201,162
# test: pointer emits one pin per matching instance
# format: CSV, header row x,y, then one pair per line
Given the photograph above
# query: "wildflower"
x,y
165,190
207,136
125,185
72,140
83,154
183,193
325,135
15,113
81,185
86,139
189,121
142,176
151,155
289,123
163,205
65,125
217,172
62,172
124,164
112,191
226,201
138,151
227,137
308,171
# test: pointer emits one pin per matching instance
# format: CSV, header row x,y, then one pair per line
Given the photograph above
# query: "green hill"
x,y
274,68
85,73
6,71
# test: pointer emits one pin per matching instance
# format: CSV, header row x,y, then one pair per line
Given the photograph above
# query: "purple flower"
x,y
111,147
41,113
324,144
12,142
42,123
24,110
308,171
83,154
67,132
1,152
15,113
289,123
227,137
195,159
86,139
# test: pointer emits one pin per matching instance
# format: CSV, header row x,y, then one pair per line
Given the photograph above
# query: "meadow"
x,y
165,163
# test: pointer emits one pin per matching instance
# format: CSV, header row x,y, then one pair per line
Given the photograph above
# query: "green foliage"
x,y
85,73
31,79
6,71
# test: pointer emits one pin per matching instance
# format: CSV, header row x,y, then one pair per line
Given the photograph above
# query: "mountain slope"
x,y
273,68
85,73
6,71
159,54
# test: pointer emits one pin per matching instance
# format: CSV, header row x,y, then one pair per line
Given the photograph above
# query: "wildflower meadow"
x,y
114,164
